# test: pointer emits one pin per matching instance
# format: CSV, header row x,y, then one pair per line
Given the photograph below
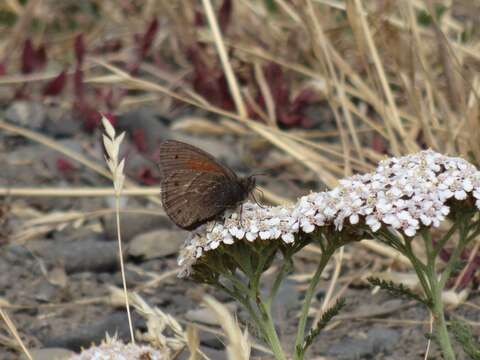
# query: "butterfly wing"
x,y
176,155
193,198
195,187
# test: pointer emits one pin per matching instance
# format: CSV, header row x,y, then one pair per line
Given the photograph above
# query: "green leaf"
x,y
325,319
463,335
397,289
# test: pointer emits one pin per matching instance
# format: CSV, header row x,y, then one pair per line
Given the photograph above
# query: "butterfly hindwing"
x,y
192,198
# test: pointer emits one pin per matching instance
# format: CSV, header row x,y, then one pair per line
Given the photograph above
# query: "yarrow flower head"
x,y
116,350
403,193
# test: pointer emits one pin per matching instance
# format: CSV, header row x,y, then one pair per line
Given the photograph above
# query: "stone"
x,y
156,244
133,224
377,341
78,255
49,354
26,113
85,335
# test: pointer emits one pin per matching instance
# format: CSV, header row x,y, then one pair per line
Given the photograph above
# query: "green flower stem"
x,y
248,295
277,282
271,332
463,241
451,263
265,320
308,300
266,327
439,323
444,239
406,249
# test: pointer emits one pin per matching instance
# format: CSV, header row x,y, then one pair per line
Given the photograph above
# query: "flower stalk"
x,y
302,325
111,145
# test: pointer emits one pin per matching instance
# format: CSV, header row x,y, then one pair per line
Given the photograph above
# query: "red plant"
x,y
145,176
33,59
65,166
138,137
289,112
225,15
88,114
79,47
209,81
147,38
56,85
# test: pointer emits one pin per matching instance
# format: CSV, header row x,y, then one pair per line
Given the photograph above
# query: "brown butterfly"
x,y
196,188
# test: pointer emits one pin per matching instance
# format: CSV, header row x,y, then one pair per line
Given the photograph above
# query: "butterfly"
x,y
196,188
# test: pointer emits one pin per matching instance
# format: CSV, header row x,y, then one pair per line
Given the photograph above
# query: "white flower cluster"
x,y
116,350
403,193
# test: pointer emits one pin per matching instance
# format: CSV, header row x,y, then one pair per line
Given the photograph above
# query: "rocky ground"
x,y
55,276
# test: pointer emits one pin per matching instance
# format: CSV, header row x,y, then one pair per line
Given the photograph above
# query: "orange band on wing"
x,y
205,166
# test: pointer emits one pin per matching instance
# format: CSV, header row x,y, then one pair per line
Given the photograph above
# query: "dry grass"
x,y
395,76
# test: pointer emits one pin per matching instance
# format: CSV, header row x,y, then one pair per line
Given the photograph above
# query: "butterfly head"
x,y
248,184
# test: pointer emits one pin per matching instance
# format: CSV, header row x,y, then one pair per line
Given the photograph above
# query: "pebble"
x,y
133,224
156,244
78,255
49,354
85,335
377,341
26,113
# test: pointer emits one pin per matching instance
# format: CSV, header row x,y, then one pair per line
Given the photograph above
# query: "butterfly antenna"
x,y
256,201
259,174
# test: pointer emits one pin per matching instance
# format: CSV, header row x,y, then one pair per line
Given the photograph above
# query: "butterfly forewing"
x,y
176,155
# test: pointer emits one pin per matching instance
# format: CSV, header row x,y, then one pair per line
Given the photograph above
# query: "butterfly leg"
x,y
213,225
241,213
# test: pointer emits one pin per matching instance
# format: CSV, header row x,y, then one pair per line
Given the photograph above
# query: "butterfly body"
x,y
196,188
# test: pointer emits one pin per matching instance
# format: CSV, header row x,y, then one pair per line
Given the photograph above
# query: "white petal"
x,y
288,238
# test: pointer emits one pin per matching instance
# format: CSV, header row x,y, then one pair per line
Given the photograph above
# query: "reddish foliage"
x,y
88,114
289,113
379,144
295,114
304,98
79,46
277,84
146,176
56,85
28,55
198,20
33,59
109,98
21,92
138,137
147,38
41,57
3,69
111,118
78,86
208,82
65,166
225,15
